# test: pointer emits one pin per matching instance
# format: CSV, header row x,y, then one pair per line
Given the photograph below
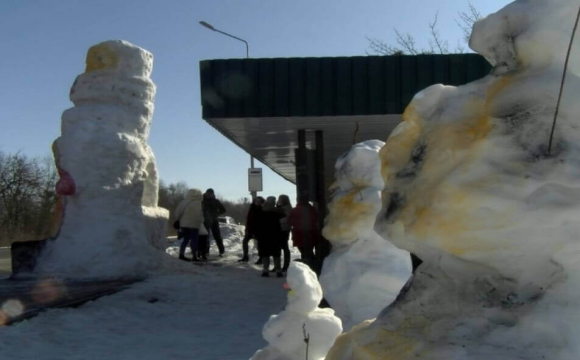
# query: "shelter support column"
x,y
302,183
310,185
323,247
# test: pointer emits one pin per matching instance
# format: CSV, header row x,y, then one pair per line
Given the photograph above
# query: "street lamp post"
x,y
210,27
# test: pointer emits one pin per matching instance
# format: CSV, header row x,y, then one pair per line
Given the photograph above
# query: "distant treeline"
x,y
28,198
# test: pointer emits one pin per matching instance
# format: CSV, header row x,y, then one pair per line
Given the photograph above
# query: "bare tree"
x,y
169,198
437,44
237,209
27,197
466,21
405,43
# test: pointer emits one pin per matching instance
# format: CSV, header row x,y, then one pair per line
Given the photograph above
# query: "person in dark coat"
x,y
269,234
252,223
303,221
212,209
284,206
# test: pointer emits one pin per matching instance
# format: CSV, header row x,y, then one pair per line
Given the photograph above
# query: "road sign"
x,y
255,179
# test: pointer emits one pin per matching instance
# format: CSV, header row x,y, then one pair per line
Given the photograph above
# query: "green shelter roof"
x,y
260,103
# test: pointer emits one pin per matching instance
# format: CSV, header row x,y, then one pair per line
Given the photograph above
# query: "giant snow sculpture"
x,y
111,224
472,189
364,273
302,319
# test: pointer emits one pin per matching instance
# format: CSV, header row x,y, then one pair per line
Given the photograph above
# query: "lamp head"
x,y
204,24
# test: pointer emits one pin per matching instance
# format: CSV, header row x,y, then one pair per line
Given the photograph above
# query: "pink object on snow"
x,y
66,184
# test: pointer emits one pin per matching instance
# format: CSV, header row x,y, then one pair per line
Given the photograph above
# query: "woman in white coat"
x,y
190,216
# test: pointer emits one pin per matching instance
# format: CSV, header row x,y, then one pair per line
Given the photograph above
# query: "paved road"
x,y
5,263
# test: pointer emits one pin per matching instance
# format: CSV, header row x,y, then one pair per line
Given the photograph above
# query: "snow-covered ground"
x,y
192,312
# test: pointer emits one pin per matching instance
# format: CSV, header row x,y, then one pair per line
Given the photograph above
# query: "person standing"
x,y
190,216
212,209
269,234
252,223
303,221
284,206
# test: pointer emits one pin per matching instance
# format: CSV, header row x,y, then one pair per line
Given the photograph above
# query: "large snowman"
x,y
111,225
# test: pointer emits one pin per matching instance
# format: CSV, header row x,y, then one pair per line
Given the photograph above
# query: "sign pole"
x,y
252,192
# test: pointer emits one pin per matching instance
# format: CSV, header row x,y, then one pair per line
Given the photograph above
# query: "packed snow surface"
x,y
472,188
214,311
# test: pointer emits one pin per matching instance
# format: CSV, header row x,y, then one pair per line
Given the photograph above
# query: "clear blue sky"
x,y
44,43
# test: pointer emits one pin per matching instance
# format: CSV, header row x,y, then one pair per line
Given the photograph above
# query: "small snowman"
x,y
302,330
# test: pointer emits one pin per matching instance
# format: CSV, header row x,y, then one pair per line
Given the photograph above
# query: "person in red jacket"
x,y
303,221
252,227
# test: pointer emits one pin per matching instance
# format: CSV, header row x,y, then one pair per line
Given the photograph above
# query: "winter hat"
x,y
270,203
194,194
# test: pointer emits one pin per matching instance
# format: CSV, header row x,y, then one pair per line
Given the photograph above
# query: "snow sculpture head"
x,y
108,174
119,57
471,188
357,197
284,332
305,293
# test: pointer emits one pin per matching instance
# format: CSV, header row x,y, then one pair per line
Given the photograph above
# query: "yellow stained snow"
x,y
343,213
436,209
395,154
101,57
370,341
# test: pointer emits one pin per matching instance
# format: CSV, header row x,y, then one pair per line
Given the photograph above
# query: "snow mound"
x,y
233,236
